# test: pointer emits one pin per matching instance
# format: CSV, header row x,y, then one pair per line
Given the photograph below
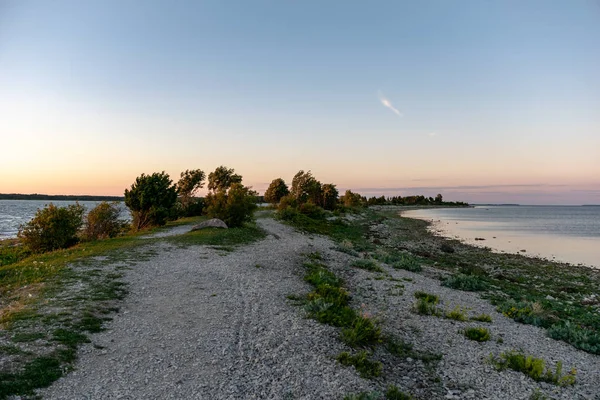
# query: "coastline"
x,y
575,252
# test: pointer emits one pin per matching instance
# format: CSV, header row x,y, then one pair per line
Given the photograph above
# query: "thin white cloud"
x,y
386,103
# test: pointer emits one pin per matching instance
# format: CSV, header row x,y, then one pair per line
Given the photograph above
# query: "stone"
x,y
211,223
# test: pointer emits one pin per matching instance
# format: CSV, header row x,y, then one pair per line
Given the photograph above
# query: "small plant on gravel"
x,y
578,336
482,318
367,264
427,297
468,283
408,263
478,334
533,367
526,312
363,332
426,303
366,368
393,393
457,313
538,395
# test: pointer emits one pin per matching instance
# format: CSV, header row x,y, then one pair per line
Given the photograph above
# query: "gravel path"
x,y
199,325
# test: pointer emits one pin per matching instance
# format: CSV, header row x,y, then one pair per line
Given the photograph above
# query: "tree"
x,y
351,199
223,178
187,186
306,188
329,195
151,199
439,199
277,189
52,228
103,221
228,199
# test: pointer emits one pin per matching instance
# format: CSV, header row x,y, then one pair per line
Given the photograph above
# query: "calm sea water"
x,y
16,212
563,233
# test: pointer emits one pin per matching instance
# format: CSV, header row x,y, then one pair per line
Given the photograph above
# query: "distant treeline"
x,y
60,197
411,201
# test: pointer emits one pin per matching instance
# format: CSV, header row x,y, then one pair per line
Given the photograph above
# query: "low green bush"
x,y
533,367
363,332
103,222
469,283
367,264
579,337
427,297
482,318
526,312
393,393
457,314
366,368
478,334
408,263
52,228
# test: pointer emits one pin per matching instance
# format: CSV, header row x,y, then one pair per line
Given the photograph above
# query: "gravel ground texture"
x,y
202,324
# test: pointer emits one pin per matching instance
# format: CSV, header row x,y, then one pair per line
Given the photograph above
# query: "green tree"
x,y
222,178
439,199
151,199
277,189
189,183
351,199
306,188
329,195
52,228
103,221
234,205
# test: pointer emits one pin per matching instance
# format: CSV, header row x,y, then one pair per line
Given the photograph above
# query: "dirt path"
x,y
202,325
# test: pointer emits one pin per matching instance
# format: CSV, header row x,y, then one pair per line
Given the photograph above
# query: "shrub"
x,y
579,337
222,178
103,222
457,314
478,334
151,200
350,199
187,186
427,297
469,283
234,206
407,263
52,228
329,195
425,308
393,393
363,332
276,191
305,187
482,318
366,368
525,312
311,210
533,367
369,265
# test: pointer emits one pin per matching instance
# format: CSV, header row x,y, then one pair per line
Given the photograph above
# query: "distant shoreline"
x,y
61,197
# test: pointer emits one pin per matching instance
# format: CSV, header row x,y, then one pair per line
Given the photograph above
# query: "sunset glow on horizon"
x,y
482,102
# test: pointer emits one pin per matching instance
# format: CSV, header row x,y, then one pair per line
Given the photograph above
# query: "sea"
x,y
14,213
568,234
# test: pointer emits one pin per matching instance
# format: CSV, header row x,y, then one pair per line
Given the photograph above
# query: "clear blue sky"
x,y
496,101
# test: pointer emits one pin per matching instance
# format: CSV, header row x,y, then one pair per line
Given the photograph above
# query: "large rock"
x,y
211,223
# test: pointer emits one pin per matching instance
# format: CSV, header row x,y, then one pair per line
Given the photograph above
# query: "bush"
x,y
52,228
482,318
457,314
151,200
234,205
311,210
363,332
329,196
393,393
103,222
533,367
367,264
579,337
468,283
366,368
407,263
187,186
478,334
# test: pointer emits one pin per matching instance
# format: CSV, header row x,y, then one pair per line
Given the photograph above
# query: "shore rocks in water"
x,y
211,223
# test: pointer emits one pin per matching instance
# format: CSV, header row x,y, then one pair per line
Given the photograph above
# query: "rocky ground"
x,y
202,323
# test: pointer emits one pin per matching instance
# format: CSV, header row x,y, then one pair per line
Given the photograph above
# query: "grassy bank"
x,y
51,302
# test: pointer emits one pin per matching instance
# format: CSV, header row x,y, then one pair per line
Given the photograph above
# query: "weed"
x,y
477,334
457,314
393,393
538,395
225,239
427,297
533,367
408,263
367,264
363,332
424,307
27,337
469,283
482,318
366,368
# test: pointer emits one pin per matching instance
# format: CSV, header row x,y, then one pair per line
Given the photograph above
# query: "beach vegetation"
x,y
477,334
458,313
305,187
352,200
222,178
329,196
367,264
393,393
579,337
482,318
407,262
190,181
533,367
234,205
367,368
52,228
151,199
469,283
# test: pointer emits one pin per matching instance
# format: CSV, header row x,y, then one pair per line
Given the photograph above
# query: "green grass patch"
x,y
402,349
533,367
364,366
224,239
427,297
25,337
408,263
477,334
482,318
363,332
457,313
468,283
579,337
367,264
39,373
393,393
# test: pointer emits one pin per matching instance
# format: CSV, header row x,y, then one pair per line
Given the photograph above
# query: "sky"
x,y
481,101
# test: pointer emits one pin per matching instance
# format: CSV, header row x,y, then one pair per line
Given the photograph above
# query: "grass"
x,y
363,332
477,334
408,263
457,313
222,239
469,283
427,297
393,393
533,367
366,368
367,264
482,318
426,303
